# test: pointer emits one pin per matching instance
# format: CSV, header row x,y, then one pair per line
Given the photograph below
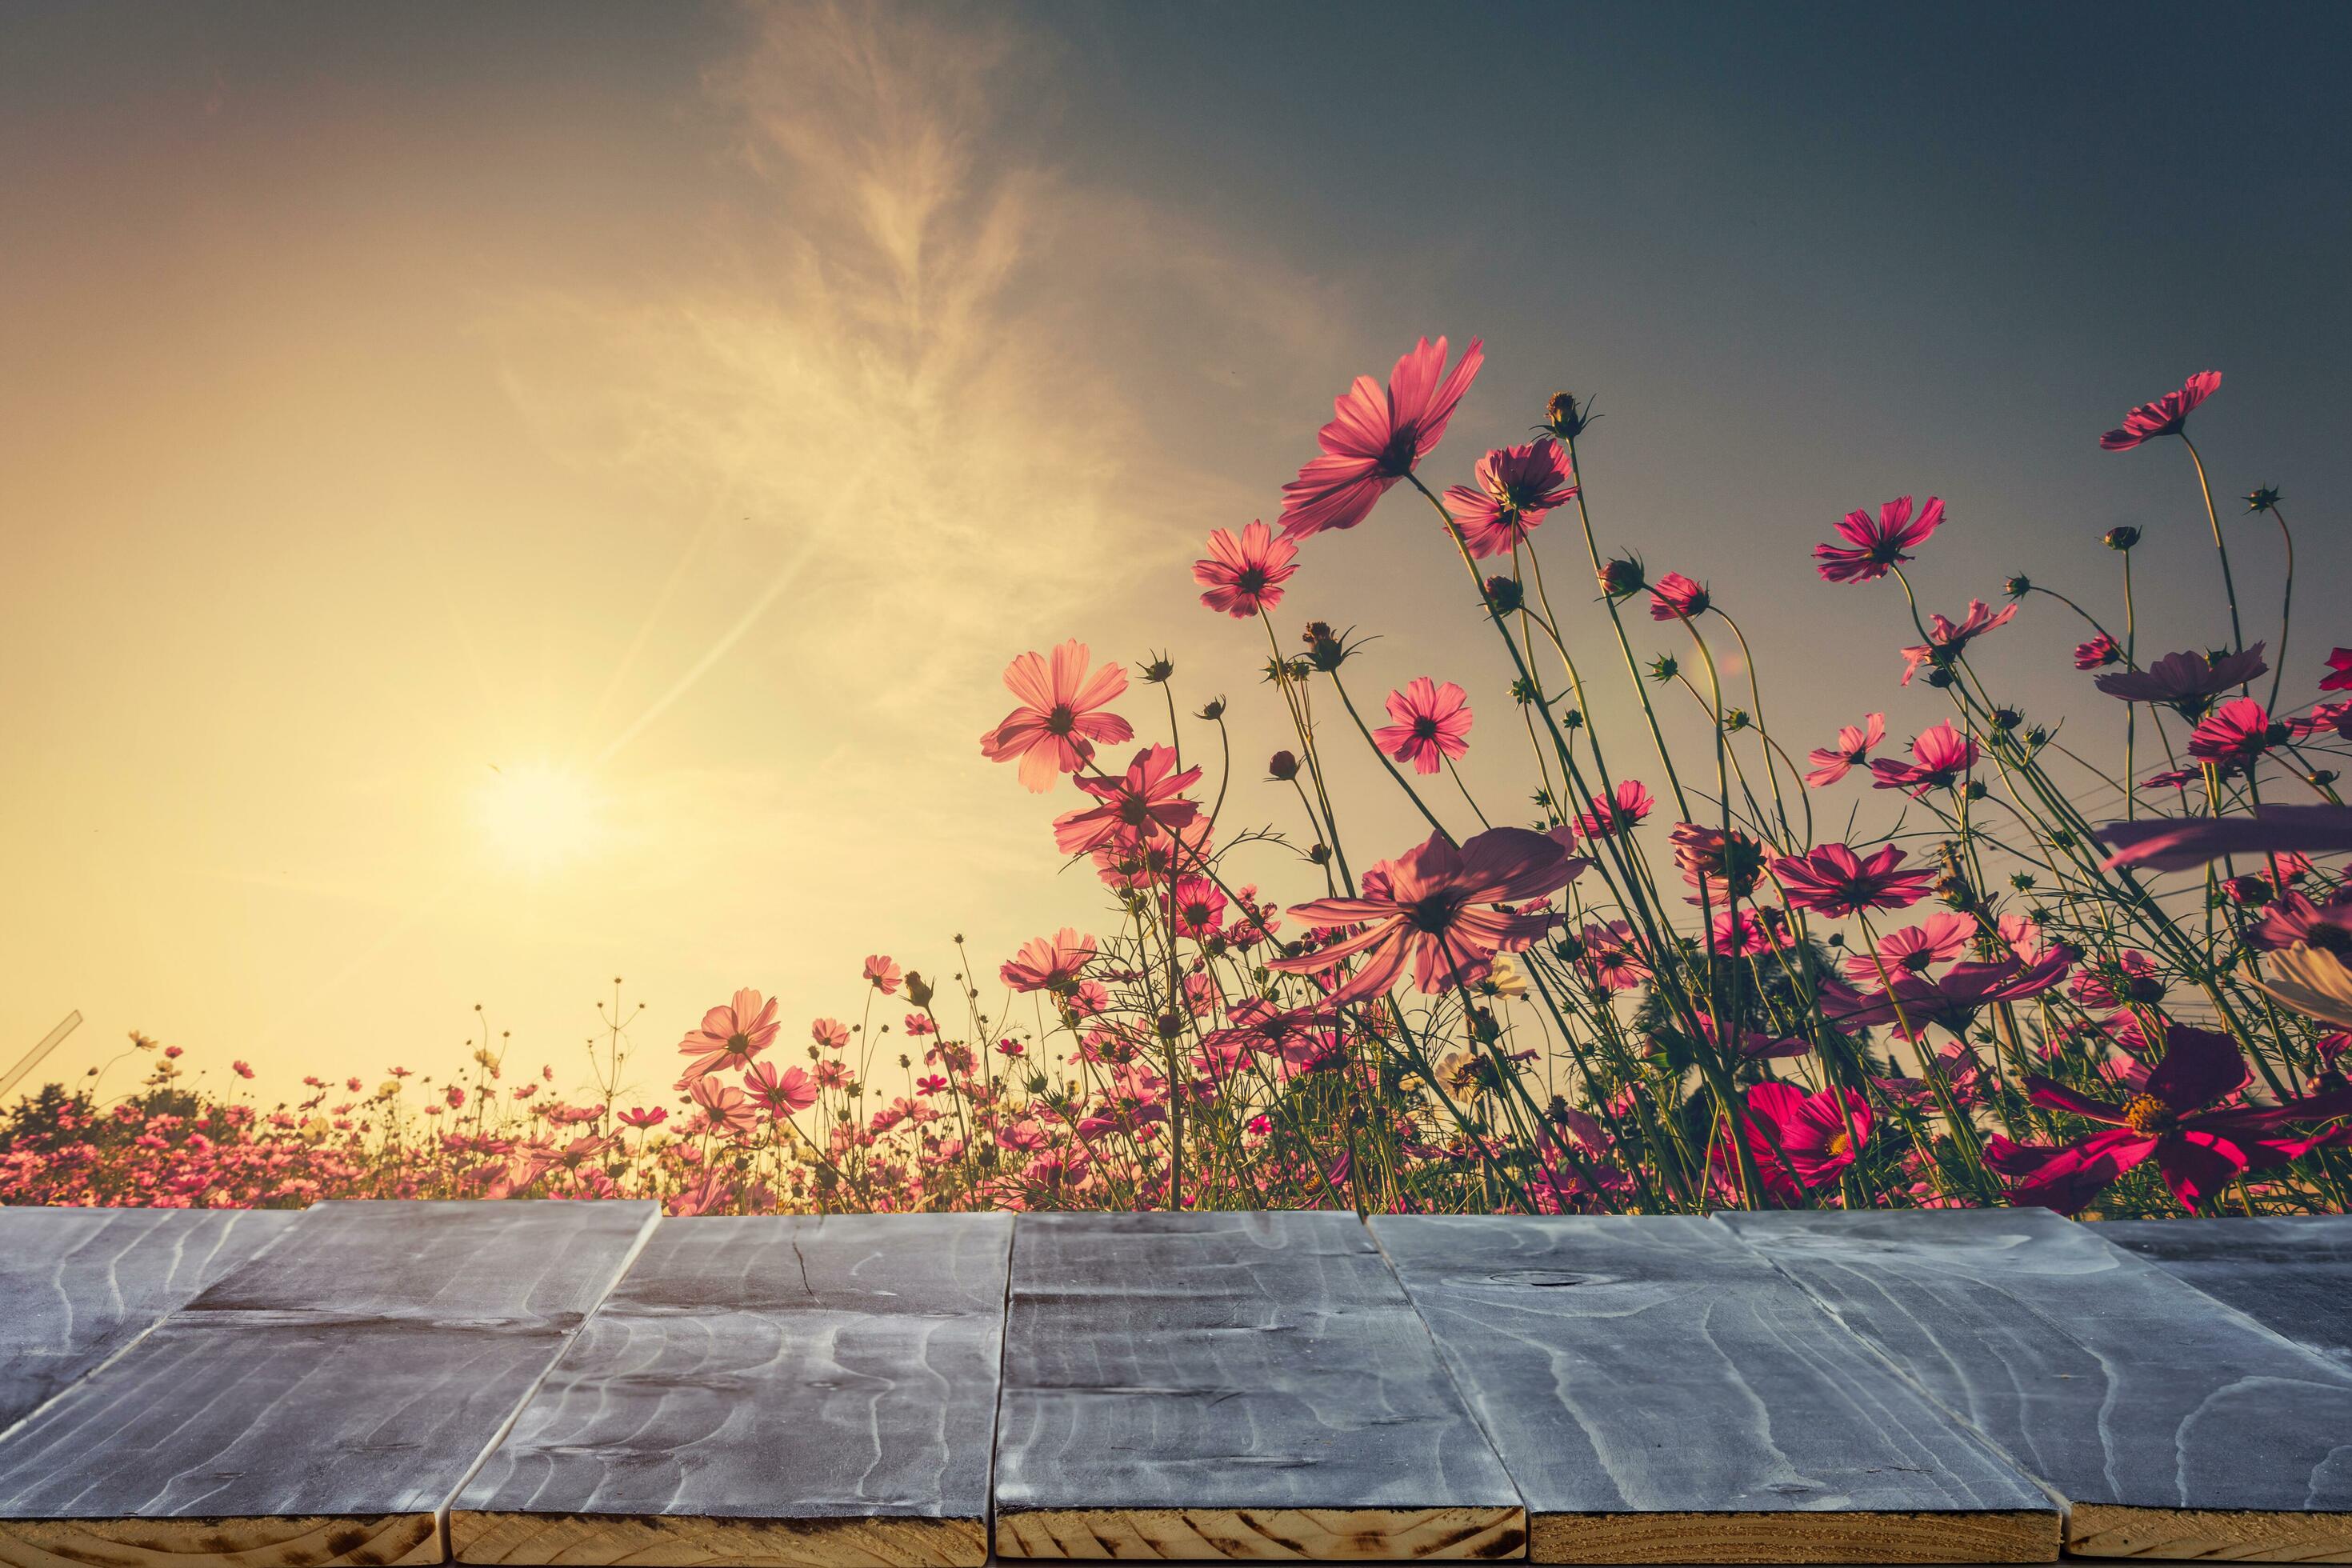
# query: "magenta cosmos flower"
x,y
1145,803
784,1093
1853,747
1436,905
1945,641
1433,723
1950,1001
1622,808
1049,962
731,1035
2186,682
1809,1130
1515,487
1874,546
1246,575
1377,436
1675,597
2177,843
1056,726
1834,880
1913,950
2174,1120
2165,417
2339,671
2236,733
2098,653
1941,758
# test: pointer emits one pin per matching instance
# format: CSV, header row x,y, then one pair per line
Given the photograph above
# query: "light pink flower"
x,y
1515,487
882,974
1874,547
783,1093
1915,950
1621,809
1244,575
1145,803
1376,438
1049,963
731,1035
2186,682
1941,757
830,1033
1057,723
1433,723
1946,640
1853,746
1834,880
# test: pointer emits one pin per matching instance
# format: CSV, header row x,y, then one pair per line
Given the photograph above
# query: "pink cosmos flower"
x,y
1913,950
1853,746
1747,931
882,974
2339,676
2237,733
1622,808
1834,880
2186,681
2165,417
1946,640
1246,575
1433,723
2177,1119
2098,653
2177,843
729,1108
1145,803
2293,919
1809,1129
2323,716
830,1033
731,1035
1049,962
1199,907
1124,861
1950,1001
1675,597
1874,547
783,1093
1613,956
643,1116
2132,977
1941,757
1436,905
1515,487
1376,438
241,1069
1725,865
1058,722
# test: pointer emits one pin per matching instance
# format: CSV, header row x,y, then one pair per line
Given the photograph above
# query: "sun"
x,y
538,817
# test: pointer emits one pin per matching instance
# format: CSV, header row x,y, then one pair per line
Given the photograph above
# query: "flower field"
x,y
1647,982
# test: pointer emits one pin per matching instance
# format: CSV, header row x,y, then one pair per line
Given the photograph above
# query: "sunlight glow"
x,y
537,816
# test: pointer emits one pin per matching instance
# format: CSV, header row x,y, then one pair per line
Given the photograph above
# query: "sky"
x,y
497,499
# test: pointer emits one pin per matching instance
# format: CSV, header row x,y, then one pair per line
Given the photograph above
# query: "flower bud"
x,y
1282,765
1504,594
1621,575
2017,588
1564,419
2122,538
919,990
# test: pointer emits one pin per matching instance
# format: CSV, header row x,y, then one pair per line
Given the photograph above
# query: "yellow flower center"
x,y
2143,1113
1840,1145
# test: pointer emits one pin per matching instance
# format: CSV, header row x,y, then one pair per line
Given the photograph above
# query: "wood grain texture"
x,y
1231,1385
322,1403
2171,1425
1654,1387
767,1390
77,1284
2291,1273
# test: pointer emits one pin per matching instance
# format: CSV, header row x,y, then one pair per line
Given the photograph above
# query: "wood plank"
x,y
765,1390
1661,1394
2291,1273
78,1284
322,1403
1243,1386
2172,1426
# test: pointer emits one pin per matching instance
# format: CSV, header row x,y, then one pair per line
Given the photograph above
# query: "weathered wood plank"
x,y
2291,1273
2172,1426
322,1403
1661,1394
1231,1385
78,1284
765,1390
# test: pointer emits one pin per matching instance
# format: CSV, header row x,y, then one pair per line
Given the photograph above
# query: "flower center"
x,y
1061,721
1424,729
1251,580
737,1044
2329,937
2146,1114
1435,913
1840,1145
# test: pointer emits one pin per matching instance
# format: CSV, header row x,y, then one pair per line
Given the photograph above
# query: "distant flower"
x,y
783,1093
1144,804
1377,436
1199,907
1433,723
2238,733
1727,863
729,1037
2165,417
2177,1119
1516,486
729,1108
882,974
1056,726
830,1033
1436,905
2130,978
1049,962
1675,598
1853,746
1941,757
1949,1001
1244,575
2186,682
2098,653
1874,547
1915,950
1946,640
1612,956
241,1069
643,1116
1621,809
2339,666
1834,880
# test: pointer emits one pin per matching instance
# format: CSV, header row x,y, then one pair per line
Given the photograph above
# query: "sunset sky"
x,y
497,498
